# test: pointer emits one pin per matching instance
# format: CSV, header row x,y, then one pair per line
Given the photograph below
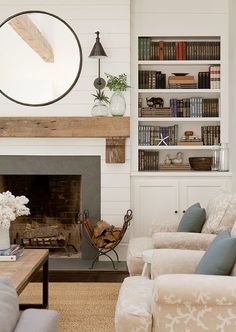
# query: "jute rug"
x,y
83,307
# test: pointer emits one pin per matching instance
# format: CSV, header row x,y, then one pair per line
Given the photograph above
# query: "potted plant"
x,y
118,84
100,108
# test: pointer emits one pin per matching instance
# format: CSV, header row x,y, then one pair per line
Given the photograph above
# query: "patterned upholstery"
x,y
177,300
221,215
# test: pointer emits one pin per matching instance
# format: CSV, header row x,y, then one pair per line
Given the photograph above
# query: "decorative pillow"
x,y
193,219
220,256
220,213
9,312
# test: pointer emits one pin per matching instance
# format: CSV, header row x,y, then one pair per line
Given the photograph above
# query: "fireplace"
x,y
58,188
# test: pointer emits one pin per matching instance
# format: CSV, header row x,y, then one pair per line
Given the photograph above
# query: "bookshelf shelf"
x,y
179,119
179,62
176,147
174,91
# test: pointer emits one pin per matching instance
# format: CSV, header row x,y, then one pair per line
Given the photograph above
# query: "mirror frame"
x,y
80,51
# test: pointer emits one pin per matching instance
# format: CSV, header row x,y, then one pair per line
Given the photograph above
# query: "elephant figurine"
x,y
155,102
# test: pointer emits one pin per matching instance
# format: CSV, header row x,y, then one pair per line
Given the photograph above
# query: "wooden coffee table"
x,y
22,271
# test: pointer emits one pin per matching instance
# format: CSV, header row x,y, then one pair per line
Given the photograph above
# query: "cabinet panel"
x,y
155,201
201,191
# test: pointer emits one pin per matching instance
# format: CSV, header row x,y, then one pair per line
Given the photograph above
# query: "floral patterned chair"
x,y
176,299
220,215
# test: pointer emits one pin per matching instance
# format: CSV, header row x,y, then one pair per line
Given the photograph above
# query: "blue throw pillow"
x,y
220,256
193,219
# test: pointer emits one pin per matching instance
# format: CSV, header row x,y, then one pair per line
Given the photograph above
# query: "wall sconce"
x,y
98,52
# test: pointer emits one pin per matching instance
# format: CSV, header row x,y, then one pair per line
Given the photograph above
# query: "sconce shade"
x,y
97,50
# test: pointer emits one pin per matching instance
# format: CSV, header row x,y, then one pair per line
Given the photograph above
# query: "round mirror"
x,y
40,58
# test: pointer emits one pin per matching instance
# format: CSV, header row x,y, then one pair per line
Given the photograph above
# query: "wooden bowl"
x,y
200,163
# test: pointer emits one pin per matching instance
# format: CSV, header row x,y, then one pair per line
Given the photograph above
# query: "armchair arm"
x,y
164,226
182,240
135,254
169,261
194,303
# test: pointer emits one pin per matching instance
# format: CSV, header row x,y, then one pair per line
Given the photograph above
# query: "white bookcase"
x,y
190,123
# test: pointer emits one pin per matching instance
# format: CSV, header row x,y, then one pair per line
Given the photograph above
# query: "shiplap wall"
x,y
112,19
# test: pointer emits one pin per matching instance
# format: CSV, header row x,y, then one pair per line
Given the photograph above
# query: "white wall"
x,y
112,19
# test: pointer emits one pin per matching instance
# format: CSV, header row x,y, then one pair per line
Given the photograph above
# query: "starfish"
x,y
162,140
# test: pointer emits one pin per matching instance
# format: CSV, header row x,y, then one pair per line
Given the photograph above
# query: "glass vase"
x,y
224,158
117,104
4,238
215,158
100,109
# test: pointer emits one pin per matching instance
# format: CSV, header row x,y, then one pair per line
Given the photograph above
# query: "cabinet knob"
x,y
184,211
176,211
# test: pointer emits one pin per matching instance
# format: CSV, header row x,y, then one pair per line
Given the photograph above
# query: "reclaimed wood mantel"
x,y
114,129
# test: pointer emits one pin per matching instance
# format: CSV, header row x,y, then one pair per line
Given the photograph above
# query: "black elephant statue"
x,y
155,102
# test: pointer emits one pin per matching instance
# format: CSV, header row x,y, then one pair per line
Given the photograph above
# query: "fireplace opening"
x,y
54,203
58,189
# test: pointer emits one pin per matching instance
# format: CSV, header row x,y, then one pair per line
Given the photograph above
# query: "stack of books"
x,y
182,82
190,140
11,254
161,112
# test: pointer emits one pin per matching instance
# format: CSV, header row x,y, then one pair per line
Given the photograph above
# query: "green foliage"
x,y
100,95
117,83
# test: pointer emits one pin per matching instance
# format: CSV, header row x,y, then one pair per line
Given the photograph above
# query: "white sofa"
x,y
220,215
30,320
176,299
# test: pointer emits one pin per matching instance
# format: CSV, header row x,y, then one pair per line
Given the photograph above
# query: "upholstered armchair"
x,y
220,215
176,299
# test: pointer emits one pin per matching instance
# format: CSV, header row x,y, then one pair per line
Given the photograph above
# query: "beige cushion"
x,y
220,213
9,307
168,261
133,308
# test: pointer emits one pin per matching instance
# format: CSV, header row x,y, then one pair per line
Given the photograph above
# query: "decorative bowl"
x,y
180,74
200,163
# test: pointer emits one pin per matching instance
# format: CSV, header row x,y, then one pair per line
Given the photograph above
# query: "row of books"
x,y
194,107
151,49
157,135
209,79
11,254
148,160
210,135
151,79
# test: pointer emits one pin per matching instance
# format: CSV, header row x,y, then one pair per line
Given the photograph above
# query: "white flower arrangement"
x,y
11,207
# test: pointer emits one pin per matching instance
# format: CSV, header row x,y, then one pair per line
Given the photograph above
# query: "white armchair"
x,y
220,215
176,299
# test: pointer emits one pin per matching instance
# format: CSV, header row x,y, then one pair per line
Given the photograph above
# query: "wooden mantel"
x,y
114,129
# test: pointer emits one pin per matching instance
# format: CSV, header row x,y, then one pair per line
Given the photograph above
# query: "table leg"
x,y
45,284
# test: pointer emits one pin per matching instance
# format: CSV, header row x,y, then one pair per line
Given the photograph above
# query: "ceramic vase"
x,y
117,104
4,238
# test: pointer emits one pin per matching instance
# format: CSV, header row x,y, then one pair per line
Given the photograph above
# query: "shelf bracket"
x,y
115,150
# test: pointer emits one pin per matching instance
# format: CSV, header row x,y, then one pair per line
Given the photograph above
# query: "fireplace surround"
x,y
85,170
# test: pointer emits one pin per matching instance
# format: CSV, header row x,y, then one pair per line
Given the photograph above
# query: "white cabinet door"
x,y
196,190
155,200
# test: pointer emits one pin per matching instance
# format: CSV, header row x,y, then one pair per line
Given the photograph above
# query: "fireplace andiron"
x,y
103,236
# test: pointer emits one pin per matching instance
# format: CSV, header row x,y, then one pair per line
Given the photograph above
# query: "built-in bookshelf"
x,y
179,99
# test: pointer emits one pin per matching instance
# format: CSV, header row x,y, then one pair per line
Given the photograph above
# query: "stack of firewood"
x,y
104,234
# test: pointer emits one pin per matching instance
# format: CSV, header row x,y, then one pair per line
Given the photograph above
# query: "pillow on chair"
x,y
193,219
220,257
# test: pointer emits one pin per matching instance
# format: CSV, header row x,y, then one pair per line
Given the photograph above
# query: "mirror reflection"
x,y
40,58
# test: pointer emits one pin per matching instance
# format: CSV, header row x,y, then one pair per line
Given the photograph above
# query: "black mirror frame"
x,y
80,51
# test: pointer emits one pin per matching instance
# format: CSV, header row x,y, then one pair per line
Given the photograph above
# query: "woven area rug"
x,y
83,307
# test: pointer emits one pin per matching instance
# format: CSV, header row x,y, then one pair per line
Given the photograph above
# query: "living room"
x,y
133,166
